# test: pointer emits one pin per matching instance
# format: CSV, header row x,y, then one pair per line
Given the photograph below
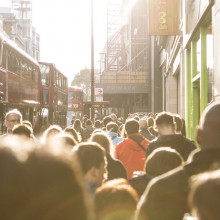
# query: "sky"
x,y
65,32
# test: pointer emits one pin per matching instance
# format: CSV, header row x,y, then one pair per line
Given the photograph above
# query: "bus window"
x,y
45,77
45,97
4,57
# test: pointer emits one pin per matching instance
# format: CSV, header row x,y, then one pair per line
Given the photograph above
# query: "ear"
x,y
198,135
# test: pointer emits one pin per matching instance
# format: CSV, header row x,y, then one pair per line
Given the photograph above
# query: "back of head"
x,y
102,139
97,124
89,122
162,160
150,122
77,125
23,130
112,126
106,120
142,123
131,126
164,118
208,132
115,200
204,197
89,154
26,122
48,186
73,133
52,131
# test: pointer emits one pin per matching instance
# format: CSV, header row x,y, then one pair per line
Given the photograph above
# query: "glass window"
x,y
210,59
45,74
45,97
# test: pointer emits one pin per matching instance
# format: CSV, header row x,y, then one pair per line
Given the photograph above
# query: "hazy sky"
x,y
65,32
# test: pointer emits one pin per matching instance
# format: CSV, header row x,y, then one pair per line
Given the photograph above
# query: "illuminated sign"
x,y
163,17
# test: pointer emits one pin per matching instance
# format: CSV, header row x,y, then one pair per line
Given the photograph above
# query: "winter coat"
x,y
146,134
131,154
114,137
178,142
166,195
115,169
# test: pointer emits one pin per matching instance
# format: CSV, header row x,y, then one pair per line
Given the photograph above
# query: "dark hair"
x,y
22,129
131,126
46,182
150,122
68,140
88,122
90,154
112,126
102,139
115,200
162,160
72,131
106,120
164,118
77,125
97,124
179,122
204,195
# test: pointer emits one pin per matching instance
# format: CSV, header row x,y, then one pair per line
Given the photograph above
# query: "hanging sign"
x,y
163,17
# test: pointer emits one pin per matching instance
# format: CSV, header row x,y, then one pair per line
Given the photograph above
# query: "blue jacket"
x,y
114,137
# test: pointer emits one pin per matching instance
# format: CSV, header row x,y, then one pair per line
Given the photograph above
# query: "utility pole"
x,y
92,60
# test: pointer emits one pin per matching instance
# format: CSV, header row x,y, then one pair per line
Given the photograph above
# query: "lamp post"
x,y
92,60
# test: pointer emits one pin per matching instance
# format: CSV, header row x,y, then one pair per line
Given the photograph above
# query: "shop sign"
x,y
163,17
194,11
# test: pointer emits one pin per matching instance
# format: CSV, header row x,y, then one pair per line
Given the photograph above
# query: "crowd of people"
x,y
144,168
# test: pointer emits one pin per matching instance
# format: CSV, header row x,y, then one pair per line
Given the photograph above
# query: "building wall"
x,y
216,30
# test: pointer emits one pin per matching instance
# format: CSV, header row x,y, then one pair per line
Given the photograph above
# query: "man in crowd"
x,y
12,118
131,151
168,138
143,129
92,159
166,196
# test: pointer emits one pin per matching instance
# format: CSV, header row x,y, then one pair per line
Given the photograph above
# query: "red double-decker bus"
x,y
54,95
75,104
20,82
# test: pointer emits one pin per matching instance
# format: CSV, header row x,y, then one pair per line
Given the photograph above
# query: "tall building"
x,y
125,61
17,24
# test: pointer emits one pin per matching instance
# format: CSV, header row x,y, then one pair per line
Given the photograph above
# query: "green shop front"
x,y
198,44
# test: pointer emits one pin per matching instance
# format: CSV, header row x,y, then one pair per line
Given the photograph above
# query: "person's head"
x,y
77,125
115,200
209,127
89,123
165,123
106,120
142,124
97,124
151,114
113,117
102,139
52,131
112,126
26,122
150,122
12,118
204,196
179,123
131,126
73,133
93,162
162,160
67,140
37,183
22,130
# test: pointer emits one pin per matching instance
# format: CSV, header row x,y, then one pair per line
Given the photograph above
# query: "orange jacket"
x,y
131,154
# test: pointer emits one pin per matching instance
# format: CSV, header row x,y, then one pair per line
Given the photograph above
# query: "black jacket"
x,y
178,142
146,134
166,196
115,169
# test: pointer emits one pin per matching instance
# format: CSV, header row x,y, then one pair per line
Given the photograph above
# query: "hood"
x,y
112,134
